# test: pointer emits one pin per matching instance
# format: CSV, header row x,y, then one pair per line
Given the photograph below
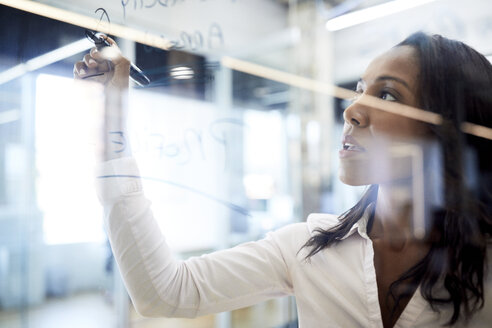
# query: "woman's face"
x,y
371,146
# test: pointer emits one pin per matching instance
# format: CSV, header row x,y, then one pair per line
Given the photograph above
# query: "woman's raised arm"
x,y
158,284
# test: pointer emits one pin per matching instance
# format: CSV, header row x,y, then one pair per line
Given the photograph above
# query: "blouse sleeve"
x,y
160,285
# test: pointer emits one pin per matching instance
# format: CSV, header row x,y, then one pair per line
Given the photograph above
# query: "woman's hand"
x,y
105,65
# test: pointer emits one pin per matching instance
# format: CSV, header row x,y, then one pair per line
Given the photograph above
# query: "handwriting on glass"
x,y
211,39
191,144
145,4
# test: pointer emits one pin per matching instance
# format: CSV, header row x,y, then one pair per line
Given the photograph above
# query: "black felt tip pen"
x,y
136,73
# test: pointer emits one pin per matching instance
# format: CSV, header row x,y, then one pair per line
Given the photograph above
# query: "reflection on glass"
x,y
229,146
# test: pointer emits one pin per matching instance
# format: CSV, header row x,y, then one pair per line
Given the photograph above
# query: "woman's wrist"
x,y
114,139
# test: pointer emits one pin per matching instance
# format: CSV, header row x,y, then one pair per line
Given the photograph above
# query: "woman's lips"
x,y
350,147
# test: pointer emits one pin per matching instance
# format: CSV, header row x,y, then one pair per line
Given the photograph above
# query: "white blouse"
x,y
335,288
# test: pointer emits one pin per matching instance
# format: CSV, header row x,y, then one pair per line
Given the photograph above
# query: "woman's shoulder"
x,y
313,222
295,235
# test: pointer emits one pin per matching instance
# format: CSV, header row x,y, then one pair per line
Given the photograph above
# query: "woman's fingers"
x,y
106,65
80,69
84,70
89,61
111,41
93,64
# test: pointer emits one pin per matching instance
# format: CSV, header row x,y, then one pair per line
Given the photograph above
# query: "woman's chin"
x,y
352,180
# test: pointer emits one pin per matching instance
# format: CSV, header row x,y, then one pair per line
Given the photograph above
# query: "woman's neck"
x,y
392,222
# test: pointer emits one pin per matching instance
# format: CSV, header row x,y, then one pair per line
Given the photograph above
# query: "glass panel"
x,y
237,134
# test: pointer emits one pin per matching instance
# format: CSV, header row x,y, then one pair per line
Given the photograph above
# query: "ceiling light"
x,y
372,13
45,60
182,73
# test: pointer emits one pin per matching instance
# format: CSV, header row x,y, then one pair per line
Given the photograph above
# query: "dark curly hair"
x,y
455,81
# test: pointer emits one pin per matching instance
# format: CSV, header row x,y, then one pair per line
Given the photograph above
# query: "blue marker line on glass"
x,y
229,205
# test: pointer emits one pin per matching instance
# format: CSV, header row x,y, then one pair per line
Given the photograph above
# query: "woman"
x,y
365,268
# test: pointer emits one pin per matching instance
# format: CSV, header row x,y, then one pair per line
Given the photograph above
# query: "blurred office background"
x,y
226,156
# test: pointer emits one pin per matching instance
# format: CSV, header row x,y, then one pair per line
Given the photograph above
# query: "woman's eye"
x,y
388,96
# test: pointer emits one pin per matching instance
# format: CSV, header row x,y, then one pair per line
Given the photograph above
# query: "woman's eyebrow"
x,y
392,78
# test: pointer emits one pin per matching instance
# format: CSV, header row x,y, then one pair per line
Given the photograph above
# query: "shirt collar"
x,y
361,225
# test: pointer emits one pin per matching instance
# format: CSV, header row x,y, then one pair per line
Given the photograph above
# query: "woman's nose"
x,y
356,115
